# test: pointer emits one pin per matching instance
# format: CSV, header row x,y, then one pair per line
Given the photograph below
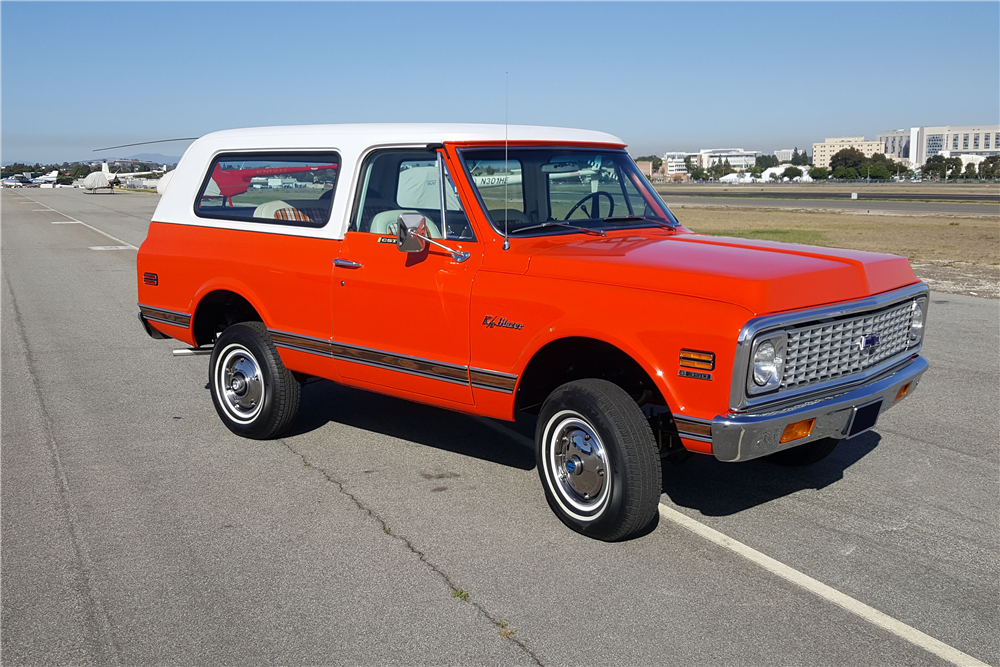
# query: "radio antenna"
x,y
506,166
144,143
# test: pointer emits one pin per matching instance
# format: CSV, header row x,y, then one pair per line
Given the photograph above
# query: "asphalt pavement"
x,y
137,530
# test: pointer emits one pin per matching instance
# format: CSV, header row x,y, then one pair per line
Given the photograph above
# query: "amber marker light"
x,y
704,361
798,430
903,391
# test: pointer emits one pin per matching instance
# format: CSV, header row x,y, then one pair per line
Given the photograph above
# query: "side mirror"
x,y
410,232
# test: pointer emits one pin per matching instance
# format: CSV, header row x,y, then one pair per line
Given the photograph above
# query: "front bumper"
x,y
741,437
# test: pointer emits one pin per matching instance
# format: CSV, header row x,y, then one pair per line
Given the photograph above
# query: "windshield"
x,y
585,188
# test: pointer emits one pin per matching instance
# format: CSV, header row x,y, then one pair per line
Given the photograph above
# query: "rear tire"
x,y
804,455
597,460
254,394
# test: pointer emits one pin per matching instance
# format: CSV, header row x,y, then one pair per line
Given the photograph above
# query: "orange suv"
x,y
493,270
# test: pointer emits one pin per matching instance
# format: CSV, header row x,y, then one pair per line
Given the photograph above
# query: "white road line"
x,y
126,245
111,247
870,614
67,222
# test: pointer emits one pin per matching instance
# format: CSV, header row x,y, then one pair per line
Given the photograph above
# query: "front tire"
x,y
254,394
597,460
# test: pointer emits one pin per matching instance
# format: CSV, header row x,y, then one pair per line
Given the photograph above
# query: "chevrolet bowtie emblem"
x,y
868,342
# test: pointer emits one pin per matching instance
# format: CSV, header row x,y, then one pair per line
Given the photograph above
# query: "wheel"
x,y
804,455
597,460
253,392
596,196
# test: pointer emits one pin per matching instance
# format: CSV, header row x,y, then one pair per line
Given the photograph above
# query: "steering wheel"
x,y
596,196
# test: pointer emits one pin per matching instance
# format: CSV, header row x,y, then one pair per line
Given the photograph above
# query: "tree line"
x,y
950,168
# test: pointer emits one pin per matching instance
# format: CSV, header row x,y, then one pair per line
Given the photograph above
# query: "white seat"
x,y
385,223
269,208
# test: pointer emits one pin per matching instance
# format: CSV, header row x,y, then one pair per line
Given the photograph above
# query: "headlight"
x,y
917,322
768,363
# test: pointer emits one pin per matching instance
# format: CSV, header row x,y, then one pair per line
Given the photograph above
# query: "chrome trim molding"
x,y
492,380
738,401
434,370
163,316
479,378
301,343
741,437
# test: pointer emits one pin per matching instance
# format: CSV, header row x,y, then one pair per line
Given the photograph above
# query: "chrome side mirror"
x,y
411,231
411,236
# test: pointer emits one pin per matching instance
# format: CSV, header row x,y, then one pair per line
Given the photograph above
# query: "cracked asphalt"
x,y
137,530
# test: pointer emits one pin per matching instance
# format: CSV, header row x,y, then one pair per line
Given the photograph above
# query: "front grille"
x,y
821,352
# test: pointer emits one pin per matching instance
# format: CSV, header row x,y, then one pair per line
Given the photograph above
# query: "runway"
x,y
137,530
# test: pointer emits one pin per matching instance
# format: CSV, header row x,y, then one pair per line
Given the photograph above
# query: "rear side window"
x,y
280,188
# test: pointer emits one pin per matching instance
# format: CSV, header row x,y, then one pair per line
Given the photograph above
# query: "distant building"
x,y
896,145
784,155
972,140
646,167
737,157
832,145
915,145
673,163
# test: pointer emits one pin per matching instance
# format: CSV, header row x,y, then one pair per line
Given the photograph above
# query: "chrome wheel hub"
x,y
241,383
579,463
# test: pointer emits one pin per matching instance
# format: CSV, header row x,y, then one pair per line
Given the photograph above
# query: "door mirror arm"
x,y
411,236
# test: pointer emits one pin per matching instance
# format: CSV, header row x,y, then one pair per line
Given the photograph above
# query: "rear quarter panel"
x,y
286,278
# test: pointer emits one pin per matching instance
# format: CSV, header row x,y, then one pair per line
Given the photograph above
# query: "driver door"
x,y
401,320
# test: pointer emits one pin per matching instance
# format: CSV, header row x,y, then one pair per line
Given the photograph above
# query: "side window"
x,y
407,181
285,189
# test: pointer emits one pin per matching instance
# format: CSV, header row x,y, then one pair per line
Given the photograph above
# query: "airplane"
x,y
556,172
46,178
231,182
16,181
110,175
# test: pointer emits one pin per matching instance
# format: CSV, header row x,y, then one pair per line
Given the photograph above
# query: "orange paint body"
x,y
460,335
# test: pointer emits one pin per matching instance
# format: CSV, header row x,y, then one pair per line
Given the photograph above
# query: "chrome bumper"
x,y
741,437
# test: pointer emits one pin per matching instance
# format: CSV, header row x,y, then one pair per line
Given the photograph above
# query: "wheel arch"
x,y
218,308
578,357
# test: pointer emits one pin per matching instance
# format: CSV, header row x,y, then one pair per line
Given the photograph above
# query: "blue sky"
x,y
663,76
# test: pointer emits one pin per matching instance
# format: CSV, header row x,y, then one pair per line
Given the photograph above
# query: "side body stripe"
x,y
435,370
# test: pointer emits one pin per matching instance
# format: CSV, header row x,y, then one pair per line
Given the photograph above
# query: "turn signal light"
x,y
903,391
696,359
798,430
150,279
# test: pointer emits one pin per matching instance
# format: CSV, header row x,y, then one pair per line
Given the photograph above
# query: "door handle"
x,y
346,264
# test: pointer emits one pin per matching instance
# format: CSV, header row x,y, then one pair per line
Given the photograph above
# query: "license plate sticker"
x,y
864,418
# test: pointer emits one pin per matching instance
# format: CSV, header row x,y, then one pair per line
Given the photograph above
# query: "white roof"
x,y
370,134
351,141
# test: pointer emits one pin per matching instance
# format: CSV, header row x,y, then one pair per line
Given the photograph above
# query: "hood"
x,y
763,276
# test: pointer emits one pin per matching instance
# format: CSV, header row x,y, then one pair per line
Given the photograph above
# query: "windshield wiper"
x,y
641,218
596,232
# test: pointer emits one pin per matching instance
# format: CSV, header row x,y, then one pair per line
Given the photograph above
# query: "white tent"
x,y
736,178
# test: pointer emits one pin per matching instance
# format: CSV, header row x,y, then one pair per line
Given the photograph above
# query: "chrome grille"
x,y
821,352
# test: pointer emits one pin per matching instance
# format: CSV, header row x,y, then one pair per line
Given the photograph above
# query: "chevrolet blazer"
x,y
496,270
